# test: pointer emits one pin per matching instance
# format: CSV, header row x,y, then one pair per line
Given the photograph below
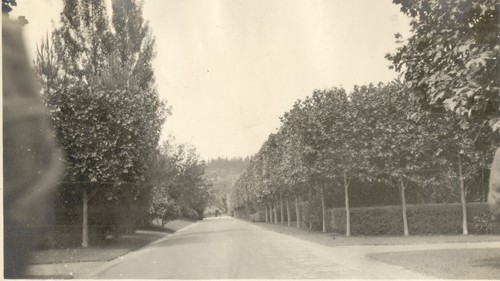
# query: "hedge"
x,y
428,219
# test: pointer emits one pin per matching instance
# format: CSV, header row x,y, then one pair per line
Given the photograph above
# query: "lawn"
x,y
103,252
332,239
448,264
106,251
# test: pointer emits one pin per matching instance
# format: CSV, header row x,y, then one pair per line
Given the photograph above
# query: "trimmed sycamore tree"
x,y
252,188
460,154
293,166
344,159
299,159
271,158
308,128
398,151
72,88
102,99
316,128
285,170
260,184
292,169
326,124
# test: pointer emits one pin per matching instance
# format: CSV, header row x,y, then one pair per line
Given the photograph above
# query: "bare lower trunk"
x,y
462,197
265,207
275,214
483,189
297,211
347,211
85,227
288,219
403,201
310,207
323,209
282,214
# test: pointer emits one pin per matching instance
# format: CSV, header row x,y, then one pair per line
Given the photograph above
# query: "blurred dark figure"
x,y
494,193
31,159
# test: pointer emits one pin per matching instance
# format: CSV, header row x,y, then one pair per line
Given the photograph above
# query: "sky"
x,y
231,68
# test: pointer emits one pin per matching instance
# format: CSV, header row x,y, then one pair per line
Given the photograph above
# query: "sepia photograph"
x,y
251,139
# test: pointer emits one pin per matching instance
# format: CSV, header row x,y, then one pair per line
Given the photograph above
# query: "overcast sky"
x,y
231,68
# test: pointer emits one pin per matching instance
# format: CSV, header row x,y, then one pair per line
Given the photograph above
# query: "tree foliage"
x,y
369,136
102,97
451,58
179,180
107,117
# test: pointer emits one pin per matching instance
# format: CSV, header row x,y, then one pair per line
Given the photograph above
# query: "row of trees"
x,y
98,82
436,128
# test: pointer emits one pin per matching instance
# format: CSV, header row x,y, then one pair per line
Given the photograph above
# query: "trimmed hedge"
x,y
428,219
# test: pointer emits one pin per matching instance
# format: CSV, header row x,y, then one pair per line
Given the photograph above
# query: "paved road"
x,y
227,248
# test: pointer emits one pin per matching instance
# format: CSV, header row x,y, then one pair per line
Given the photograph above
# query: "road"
x,y
227,248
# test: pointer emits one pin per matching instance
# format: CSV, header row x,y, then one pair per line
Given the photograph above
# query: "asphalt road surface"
x,y
227,248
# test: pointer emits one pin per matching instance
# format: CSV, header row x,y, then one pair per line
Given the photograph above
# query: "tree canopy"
x,y
451,58
98,83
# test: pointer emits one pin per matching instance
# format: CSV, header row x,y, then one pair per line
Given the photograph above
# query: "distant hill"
x,y
232,165
222,173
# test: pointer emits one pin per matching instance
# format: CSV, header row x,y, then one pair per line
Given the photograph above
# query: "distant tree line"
x,y
222,174
432,136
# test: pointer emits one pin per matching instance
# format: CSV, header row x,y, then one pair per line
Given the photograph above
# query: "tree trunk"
x,y
282,214
297,211
275,213
265,207
403,201
85,228
347,211
462,197
323,209
484,186
288,219
271,213
310,207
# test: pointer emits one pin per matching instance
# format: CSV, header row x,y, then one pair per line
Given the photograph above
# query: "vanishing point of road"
x,y
227,248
